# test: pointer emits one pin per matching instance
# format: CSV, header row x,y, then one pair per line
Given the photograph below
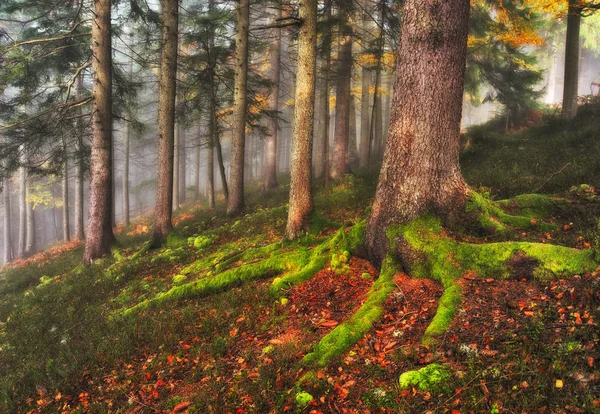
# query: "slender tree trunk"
x,y
210,170
340,156
352,149
197,163
125,189
79,171
30,244
249,174
420,171
363,153
301,201
8,253
235,203
378,118
182,165
166,121
222,172
22,209
176,169
270,175
569,105
99,233
213,126
323,103
65,194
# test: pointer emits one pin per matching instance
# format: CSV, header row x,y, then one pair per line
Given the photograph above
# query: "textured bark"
x,y
197,163
363,153
352,148
340,156
301,201
99,232
270,175
166,121
65,194
378,117
8,252
222,172
79,171
235,204
22,210
569,104
420,171
213,127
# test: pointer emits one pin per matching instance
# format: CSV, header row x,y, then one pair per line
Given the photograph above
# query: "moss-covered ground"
x,y
227,317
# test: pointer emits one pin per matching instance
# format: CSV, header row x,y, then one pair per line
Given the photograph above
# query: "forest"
x,y
299,206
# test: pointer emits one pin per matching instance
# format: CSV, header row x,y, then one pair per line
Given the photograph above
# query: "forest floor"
x,y
155,332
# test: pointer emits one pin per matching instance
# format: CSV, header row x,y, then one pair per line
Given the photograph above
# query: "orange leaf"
x,y
181,406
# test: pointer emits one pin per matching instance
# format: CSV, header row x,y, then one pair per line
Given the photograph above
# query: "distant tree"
x,y
100,236
166,121
322,105
8,248
301,201
420,171
235,204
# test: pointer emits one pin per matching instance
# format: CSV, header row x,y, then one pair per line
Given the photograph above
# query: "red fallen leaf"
x,y
253,375
377,346
170,359
577,318
186,346
528,313
181,406
329,324
590,361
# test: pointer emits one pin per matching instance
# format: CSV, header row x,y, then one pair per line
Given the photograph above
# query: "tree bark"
x,y
420,171
8,252
22,209
197,163
323,102
79,171
569,104
30,243
213,126
301,201
176,170
166,121
100,234
182,165
339,163
270,175
352,148
65,193
363,153
125,185
235,204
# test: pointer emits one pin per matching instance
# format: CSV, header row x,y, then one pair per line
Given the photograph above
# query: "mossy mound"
x,y
432,377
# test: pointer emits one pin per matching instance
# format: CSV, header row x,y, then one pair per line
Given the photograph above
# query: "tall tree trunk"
x,y
301,201
166,121
125,185
569,104
363,153
339,163
270,175
8,252
213,126
323,102
30,243
248,173
65,193
79,171
378,117
235,204
176,169
197,163
420,171
210,171
182,165
99,233
22,209
352,149
222,172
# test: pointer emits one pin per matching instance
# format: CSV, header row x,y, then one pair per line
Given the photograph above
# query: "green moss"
x,y
303,398
175,240
343,336
433,377
200,242
534,205
444,315
179,279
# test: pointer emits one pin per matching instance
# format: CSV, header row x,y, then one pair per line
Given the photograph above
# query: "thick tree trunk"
x,y
8,252
363,153
79,172
235,204
270,175
420,171
22,210
65,194
99,233
569,105
301,201
339,163
166,121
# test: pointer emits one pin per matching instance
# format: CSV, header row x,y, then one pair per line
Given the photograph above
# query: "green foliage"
x,y
303,398
432,377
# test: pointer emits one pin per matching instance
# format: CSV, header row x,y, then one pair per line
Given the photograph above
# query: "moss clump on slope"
x,y
432,377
